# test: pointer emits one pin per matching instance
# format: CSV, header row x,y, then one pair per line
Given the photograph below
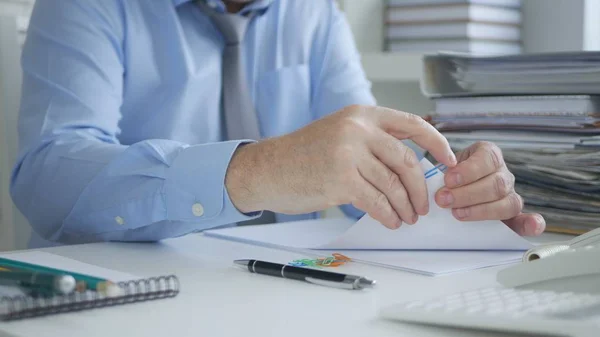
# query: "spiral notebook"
x,y
16,304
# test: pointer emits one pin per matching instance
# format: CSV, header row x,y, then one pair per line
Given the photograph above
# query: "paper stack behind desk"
x,y
543,111
477,26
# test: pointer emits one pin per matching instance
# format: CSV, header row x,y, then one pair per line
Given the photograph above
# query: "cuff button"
x,y
120,221
198,209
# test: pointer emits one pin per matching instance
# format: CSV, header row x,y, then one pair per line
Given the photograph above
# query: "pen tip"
x,y
242,263
366,283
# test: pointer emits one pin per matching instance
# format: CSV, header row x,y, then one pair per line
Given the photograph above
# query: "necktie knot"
x,y
232,26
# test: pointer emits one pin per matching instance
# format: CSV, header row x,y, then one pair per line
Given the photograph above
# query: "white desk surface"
x,y
218,299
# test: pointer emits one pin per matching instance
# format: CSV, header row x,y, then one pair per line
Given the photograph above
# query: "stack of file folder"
x,y
476,26
542,110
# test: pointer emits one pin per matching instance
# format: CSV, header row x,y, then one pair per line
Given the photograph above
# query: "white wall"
x,y
591,28
561,25
16,7
552,25
8,108
14,231
403,96
366,21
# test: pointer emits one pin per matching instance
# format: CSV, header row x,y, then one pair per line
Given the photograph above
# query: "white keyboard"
x,y
507,309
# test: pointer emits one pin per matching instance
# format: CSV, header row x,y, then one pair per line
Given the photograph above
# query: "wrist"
x,y
244,176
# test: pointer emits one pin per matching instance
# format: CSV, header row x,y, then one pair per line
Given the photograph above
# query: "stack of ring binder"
x,y
19,307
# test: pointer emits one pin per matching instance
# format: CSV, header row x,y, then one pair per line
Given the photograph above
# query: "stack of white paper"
x,y
562,73
475,26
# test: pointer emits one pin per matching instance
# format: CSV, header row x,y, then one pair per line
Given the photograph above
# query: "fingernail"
x,y
425,209
415,218
455,179
452,159
532,227
446,198
540,225
398,224
462,212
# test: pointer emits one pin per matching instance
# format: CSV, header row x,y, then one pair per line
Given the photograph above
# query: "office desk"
x,y
218,299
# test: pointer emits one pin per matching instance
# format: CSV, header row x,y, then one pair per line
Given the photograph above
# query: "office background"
x,y
395,75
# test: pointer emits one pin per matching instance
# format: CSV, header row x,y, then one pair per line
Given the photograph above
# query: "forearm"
x,y
75,190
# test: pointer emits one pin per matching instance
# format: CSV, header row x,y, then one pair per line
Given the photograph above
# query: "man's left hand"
x,y
481,187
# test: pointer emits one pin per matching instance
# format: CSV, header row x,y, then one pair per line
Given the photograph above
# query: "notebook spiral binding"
x,y
19,307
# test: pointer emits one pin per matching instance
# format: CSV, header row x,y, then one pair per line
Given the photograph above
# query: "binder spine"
x,y
19,307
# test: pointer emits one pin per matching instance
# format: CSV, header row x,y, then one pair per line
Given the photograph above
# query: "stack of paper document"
x,y
563,186
543,111
437,244
511,139
575,113
564,73
488,27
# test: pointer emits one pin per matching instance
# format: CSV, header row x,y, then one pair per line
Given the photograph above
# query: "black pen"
x,y
314,276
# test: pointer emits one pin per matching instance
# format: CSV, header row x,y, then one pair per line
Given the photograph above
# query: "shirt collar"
x,y
255,5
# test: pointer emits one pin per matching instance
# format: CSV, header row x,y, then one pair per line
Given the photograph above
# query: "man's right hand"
x,y
352,156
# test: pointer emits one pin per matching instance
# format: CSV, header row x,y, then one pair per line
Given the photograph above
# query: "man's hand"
x,y
480,187
352,156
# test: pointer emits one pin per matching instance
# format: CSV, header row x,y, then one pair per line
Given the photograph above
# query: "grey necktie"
x,y
240,116
241,120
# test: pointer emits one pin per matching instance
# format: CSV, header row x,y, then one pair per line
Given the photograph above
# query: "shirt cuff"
x,y
352,212
194,188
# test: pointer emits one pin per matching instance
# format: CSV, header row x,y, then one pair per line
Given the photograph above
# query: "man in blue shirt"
x,y
122,132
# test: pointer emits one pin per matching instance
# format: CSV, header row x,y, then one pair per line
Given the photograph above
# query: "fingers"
x,y
389,184
484,159
403,125
506,208
402,161
376,204
527,224
495,186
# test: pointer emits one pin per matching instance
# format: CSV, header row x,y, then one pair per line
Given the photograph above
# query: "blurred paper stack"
x,y
543,111
474,26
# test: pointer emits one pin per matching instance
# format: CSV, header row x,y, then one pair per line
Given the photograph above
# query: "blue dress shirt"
x,y
120,122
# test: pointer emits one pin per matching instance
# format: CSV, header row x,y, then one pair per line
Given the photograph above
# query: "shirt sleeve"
x,y
73,180
338,77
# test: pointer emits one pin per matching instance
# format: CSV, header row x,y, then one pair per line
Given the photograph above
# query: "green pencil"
x,y
83,281
46,282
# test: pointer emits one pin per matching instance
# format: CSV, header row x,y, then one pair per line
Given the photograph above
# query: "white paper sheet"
x,y
438,230
290,236
437,244
432,262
